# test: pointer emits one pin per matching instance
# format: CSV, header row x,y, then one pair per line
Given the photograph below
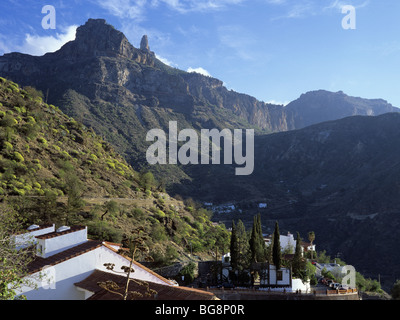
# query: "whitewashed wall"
x,y
59,281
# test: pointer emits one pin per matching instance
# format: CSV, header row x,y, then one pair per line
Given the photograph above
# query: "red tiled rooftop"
x,y
57,234
43,226
164,292
39,263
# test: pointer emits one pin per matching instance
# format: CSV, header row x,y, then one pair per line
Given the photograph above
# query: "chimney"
x,y
28,238
62,239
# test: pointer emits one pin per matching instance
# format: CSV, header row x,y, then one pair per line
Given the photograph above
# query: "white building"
x,y
65,257
288,243
270,278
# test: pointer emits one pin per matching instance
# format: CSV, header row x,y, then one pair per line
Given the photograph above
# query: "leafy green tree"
x,y
75,202
395,292
147,181
13,263
188,272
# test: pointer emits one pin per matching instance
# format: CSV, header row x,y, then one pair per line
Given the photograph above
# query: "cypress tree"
x,y
234,247
243,248
297,262
257,244
276,248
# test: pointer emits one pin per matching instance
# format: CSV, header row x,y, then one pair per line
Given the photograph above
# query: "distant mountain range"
x,y
326,162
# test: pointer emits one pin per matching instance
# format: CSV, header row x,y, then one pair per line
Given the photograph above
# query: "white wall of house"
x,y
285,281
58,281
287,243
51,246
28,238
297,284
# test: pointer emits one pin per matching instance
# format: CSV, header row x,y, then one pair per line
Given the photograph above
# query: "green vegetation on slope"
x,y
53,169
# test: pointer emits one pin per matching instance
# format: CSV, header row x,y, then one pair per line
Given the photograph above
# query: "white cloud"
x,y
136,9
39,45
284,103
166,61
200,70
338,4
125,8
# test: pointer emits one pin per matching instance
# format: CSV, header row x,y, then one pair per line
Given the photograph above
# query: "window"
x,y
279,275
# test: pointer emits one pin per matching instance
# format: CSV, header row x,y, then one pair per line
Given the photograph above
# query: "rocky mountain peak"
x,y
98,38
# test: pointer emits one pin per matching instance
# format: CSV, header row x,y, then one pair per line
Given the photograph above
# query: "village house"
x,y
68,266
288,243
270,278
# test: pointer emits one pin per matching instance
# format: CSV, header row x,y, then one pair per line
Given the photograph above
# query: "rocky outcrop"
x,y
144,44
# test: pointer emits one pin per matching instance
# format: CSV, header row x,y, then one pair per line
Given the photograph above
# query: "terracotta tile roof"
x,y
164,292
57,234
43,226
39,263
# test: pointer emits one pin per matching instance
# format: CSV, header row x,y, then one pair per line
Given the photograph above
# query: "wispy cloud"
x,y
200,70
339,4
307,8
125,8
136,9
184,6
238,39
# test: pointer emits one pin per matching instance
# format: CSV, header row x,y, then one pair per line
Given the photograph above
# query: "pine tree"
x,y
276,248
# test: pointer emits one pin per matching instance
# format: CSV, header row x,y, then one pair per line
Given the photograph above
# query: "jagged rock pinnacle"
x,y
144,44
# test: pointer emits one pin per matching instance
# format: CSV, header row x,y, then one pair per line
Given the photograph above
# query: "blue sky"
x,y
274,50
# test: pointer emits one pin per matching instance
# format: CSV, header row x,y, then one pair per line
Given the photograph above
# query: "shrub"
x,y
20,192
188,272
8,121
101,230
18,157
42,140
37,185
158,233
30,119
7,145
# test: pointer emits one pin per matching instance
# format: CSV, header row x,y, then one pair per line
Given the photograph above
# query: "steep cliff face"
x,y
122,92
101,64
